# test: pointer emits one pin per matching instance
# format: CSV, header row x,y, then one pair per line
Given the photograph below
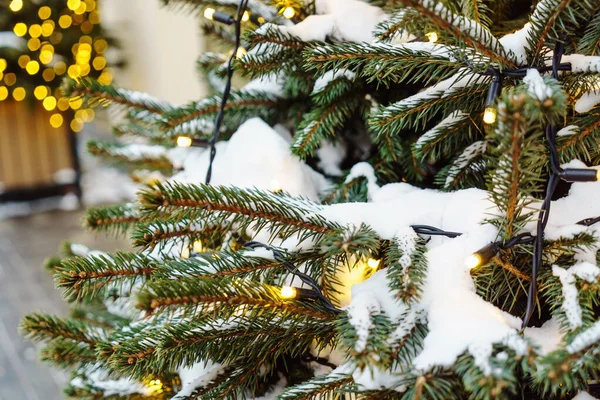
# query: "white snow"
x,y
536,87
548,337
516,43
584,396
581,63
568,130
587,101
473,150
586,338
197,376
586,271
331,75
331,155
363,169
99,378
450,120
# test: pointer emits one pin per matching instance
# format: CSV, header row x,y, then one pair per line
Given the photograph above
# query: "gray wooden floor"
x,y
24,287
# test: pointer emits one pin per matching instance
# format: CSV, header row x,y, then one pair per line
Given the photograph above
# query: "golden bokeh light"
x,y
56,120
60,68
10,79
76,125
20,29
19,93
99,63
49,103
33,44
44,12
35,30
40,92
16,5
3,93
48,74
32,67
65,21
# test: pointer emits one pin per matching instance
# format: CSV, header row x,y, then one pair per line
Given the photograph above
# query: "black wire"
x,y
219,120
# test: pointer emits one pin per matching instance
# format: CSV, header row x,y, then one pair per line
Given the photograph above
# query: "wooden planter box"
x,y
36,160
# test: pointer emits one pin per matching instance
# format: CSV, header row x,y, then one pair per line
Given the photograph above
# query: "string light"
x,y
288,292
209,13
198,246
75,103
65,21
49,103
373,263
241,52
44,12
155,386
10,79
40,92
35,30
32,67
3,64
56,120
48,74
275,186
19,93
16,5
432,37
289,12
489,115
74,4
184,141
3,93
246,16
47,28
20,29
33,44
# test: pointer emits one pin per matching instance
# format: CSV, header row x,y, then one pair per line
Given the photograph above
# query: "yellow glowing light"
x,y
3,93
40,92
49,103
75,103
288,292
46,56
44,12
76,125
81,9
16,5
32,67
99,63
20,29
209,12
62,104
100,45
289,12
241,52
155,386
373,263
246,16
10,79
23,60
90,4
74,71
33,44
47,28
86,39
275,186
73,4
489,115
85,69
56,120
48,74
473,261
56,37
35,30
94,17
198,246
65,21
185,253
60,68
598,175
48,47
18,93
3,64
432,36
261,20
184,141
86,26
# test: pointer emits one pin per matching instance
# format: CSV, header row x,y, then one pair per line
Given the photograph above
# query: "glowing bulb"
x,y
44,12
373,263
241,52
246,16
289,12
184,141
48,74
99,63
19,93
65,21
473,261
155,386
209,12
56,120
32,67
40,92
598,175
20,29
261,20
198,246
185,253
489,115
49,103
73,4
3,64
432,36
3,93
275,186
288,292
16,5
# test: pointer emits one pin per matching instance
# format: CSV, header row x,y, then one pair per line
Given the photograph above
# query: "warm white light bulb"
x,y
246,16
184,141
288,292
598,175
473,261
198,246
241,52
373,263
275,186
289,12
432,36
489,115
209,12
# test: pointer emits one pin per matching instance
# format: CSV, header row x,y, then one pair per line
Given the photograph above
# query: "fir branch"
x,y
370,349
406,266
42,327
283,214
465,30
402,21
589,44
583,144
66,354
411,63
85,276
96,93
217,296
116,219
321,387
348,192
132,156
178,232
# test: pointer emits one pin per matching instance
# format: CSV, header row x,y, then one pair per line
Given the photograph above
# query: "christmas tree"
x,y
399,203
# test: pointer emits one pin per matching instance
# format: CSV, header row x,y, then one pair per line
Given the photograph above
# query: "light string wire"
x,y
493,248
